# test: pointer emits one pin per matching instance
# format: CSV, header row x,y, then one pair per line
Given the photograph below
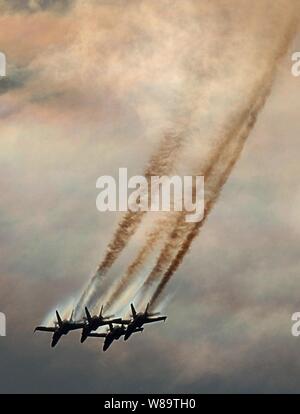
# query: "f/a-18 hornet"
x,y
94,322
60,328
139,319
113,334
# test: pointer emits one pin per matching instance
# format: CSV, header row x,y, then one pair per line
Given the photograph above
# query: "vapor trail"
x,y
241,133
208,170
161,163
131,221
195,228
152,239
180,227
176,222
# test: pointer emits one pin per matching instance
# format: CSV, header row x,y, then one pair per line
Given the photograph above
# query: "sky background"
x,y
93,86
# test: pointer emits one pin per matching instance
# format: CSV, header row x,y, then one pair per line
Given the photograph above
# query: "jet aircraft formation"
x,y
117,327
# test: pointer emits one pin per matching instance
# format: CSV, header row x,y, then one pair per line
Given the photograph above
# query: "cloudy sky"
x,y
92,86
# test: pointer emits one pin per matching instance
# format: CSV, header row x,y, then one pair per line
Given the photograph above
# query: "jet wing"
x,y
125,321
98,335
108,321
45,329
160,318
78,325
117,320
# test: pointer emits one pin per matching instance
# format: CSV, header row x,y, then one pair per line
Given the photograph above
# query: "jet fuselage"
x,y
113,335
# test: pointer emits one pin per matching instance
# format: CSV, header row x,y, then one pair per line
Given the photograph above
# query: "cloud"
x,y
91,90
35,6
16,78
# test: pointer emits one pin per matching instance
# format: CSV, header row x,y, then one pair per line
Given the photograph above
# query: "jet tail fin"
x,y
101,312
133,310
59,320
147,308
88,315
72,314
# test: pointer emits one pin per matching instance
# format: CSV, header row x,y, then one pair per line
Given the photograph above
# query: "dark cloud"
x,y
33,6
181,357
16,78
41,98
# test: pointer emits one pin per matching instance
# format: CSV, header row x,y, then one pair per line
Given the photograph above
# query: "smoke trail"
x,y
215,193
126,229
176,222
152,240
181,226
175,236
160,164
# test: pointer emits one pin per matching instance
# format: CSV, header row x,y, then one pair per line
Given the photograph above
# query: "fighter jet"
x,y
139,319
113,334
94,322
62,327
